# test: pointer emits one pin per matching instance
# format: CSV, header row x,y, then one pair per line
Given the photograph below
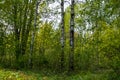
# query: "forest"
x,y
59,40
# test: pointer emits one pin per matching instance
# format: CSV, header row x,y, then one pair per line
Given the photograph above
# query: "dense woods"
x,y
61,36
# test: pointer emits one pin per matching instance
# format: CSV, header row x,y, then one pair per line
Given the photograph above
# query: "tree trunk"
x,y
33,35
17,35
62,35
71,54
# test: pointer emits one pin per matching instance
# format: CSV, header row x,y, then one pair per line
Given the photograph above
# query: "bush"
x,y
113,75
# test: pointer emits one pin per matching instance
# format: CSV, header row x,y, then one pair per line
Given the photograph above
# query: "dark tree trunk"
x,y
17,35
23,37
62,35
71,54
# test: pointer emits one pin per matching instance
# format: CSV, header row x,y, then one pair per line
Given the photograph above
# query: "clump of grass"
x,y
6,74
15,75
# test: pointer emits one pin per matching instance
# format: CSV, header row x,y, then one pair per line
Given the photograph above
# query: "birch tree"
x,y
33,33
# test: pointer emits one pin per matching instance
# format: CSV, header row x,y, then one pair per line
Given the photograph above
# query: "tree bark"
x,y
33,35
62,35
71,54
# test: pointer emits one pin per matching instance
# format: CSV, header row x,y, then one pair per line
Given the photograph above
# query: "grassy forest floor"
x,y
10,74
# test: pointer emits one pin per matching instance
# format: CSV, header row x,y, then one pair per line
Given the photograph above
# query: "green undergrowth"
x,y
11,74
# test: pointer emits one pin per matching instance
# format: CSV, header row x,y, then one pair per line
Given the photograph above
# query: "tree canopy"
x,y
61,35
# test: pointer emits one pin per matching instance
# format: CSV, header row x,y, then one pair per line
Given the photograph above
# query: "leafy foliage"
x,y
96,39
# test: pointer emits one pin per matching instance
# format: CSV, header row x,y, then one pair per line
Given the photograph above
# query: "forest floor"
x,y
10,74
